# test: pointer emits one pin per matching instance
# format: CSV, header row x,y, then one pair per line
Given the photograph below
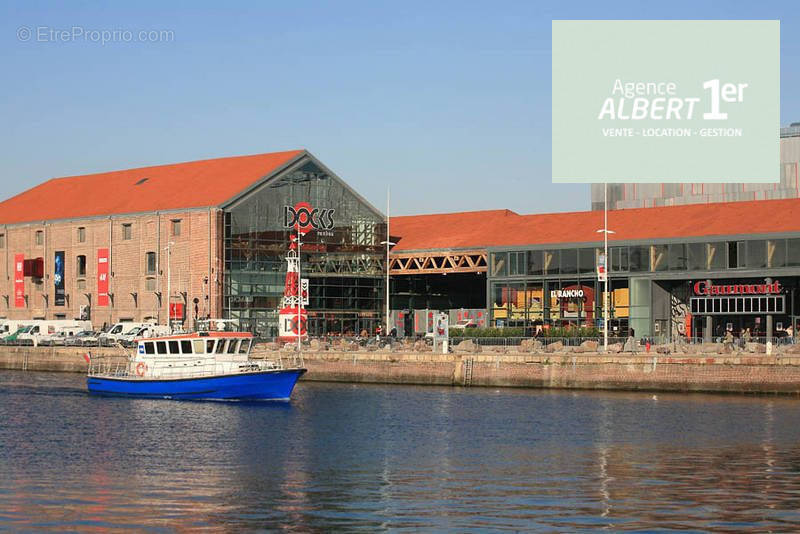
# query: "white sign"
x,y
566,294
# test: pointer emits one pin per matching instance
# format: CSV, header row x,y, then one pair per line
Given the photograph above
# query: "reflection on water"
x,y
390,457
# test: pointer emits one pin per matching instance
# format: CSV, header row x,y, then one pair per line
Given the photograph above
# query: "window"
x,y
150,263
551,261
792,252
150,284
81,235
244,347
149,348
735,254
161,347
757,254
677,257
639,259
81,284
39,237
186,346
2,240
516,263
658,258
199,344
569,261
210,346
499,261
221,346
127,231
81,265
231,346
173,347
535,262
776,253
619,259
715,256
176,227
587,260
697,256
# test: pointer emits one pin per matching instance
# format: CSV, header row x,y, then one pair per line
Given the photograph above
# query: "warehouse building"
x,y
192,240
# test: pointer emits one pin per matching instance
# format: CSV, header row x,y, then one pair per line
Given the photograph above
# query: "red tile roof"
x,y
178,186
482,229
469,229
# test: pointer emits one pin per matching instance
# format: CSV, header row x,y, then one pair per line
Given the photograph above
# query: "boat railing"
x,y
113,367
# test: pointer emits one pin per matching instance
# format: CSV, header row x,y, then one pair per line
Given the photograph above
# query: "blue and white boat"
x,y
203,365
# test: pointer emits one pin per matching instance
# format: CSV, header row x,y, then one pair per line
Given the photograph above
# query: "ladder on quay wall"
x,y
468,371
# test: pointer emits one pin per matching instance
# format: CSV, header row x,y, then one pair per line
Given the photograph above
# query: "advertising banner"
x,y
649,101
58,278
102,277
19,280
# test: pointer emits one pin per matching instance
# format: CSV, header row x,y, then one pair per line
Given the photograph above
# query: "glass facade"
x,y
344,264
649,285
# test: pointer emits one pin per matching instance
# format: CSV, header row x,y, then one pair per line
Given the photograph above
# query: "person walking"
x,y
727,342
746,336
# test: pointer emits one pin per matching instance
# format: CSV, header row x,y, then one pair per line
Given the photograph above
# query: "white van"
x,y
38,330
117,331
9,326
148,330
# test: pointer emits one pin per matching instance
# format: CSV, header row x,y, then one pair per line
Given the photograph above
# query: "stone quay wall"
x,y
742,372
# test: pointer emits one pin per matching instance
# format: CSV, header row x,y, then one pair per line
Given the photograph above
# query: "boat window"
x,y
232,346
244,347
173,347
198,346
220,346
149,348
210,346
186,346
161,347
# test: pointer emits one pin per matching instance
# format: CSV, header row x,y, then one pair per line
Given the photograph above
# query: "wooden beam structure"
x,y
438,262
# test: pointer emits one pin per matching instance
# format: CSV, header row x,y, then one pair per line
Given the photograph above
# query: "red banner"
x,y
102,277
19,280
176,310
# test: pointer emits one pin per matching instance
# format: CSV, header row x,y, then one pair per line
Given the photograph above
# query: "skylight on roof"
x,y
140,182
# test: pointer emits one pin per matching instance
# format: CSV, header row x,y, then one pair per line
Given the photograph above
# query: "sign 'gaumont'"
x,y
666,101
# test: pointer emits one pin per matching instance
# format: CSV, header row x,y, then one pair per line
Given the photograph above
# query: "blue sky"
x,y
449,102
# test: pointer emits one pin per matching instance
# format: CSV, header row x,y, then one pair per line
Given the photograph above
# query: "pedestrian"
x,y
746,337
727,342
393,332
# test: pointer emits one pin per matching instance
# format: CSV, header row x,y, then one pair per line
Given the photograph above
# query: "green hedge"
x,y
520,332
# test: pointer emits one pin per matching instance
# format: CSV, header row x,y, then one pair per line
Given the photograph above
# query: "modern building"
x,y
624,196
189,240
693,270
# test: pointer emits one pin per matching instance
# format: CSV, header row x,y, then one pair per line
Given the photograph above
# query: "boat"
x,y
199,365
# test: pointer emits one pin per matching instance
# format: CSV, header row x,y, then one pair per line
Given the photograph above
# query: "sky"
x,y
447,102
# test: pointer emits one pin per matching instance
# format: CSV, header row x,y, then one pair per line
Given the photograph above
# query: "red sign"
x,y
102,277
19,280
707,289
176,310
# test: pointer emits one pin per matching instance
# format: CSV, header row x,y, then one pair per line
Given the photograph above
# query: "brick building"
x,y
208,237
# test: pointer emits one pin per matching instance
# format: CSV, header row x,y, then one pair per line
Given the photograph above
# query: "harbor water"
x,y
376,457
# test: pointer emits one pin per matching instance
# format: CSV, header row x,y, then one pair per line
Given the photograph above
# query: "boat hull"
x,y
261,385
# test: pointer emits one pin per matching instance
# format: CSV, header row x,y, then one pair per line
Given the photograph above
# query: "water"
x,y
372,458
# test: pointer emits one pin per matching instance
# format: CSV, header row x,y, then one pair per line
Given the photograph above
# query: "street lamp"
x,y
605,231
388,244
168,248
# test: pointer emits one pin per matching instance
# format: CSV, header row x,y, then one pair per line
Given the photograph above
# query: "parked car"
x,y
86,338
148,330
59,339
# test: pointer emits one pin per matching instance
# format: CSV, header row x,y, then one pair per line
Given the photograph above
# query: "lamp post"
x,y
168,248
605,231
388,244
